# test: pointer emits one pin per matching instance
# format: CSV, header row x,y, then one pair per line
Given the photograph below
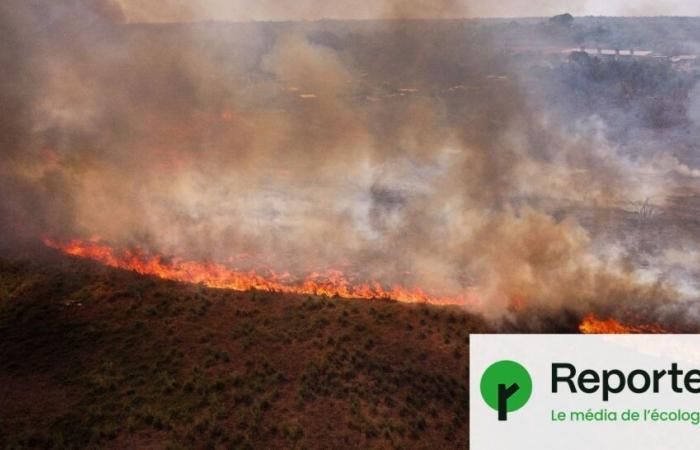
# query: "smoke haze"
x,y
246,10
394,152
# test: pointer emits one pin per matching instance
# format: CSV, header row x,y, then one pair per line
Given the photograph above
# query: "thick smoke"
x,y
374,153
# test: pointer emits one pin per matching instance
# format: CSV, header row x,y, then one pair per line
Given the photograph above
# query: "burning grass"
x,y
593,325
330,283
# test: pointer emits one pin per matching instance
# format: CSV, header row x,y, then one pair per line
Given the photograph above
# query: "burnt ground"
x,y
97,357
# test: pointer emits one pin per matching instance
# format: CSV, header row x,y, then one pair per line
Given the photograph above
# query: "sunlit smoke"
x,y
363,150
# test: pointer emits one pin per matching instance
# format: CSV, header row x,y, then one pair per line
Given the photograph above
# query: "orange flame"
x,y
592,325
330,283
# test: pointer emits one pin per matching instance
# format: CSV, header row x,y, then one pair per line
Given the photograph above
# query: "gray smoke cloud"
x,y
375,153
246,10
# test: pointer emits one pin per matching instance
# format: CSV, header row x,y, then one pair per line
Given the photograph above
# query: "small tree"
x,y
562,20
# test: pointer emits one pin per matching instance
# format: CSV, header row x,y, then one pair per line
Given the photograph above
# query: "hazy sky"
x,y
244,10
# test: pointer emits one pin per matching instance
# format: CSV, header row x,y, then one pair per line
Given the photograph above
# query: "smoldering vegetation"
x,y
452,155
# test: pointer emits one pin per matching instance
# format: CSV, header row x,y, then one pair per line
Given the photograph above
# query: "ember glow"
x,y
593,325
330,283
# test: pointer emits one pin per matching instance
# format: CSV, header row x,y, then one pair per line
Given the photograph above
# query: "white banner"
x,y
584,392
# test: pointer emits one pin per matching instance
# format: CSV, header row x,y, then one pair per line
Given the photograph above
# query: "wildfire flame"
x,y
592,325
329,283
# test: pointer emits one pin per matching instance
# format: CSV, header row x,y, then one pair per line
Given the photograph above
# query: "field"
x,y
97,357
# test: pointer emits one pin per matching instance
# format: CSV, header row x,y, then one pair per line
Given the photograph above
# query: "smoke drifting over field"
x,y
244,10
277,143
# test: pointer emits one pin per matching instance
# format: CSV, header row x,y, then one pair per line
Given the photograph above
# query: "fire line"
x,y
330,283
593,325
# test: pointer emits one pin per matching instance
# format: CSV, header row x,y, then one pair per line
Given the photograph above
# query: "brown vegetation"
x,y
93,356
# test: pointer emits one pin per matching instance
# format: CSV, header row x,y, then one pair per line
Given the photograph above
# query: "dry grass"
x,y
95,357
